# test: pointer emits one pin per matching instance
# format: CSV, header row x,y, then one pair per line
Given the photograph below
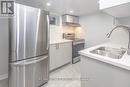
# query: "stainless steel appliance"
x,y
77,45
70,20
29,39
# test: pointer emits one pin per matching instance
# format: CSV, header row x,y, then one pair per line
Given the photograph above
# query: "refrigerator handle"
x,y
48,31
30,62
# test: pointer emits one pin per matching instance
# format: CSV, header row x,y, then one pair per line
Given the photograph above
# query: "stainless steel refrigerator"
x,y
29,45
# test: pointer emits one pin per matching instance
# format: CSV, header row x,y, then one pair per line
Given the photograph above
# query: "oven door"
x,y
76,48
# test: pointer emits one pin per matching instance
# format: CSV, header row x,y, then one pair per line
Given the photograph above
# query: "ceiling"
x,y
79,7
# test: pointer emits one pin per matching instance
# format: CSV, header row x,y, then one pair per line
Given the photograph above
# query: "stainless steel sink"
x,y
109,52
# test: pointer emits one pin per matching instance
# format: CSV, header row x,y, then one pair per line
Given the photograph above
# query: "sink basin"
x,y
109,52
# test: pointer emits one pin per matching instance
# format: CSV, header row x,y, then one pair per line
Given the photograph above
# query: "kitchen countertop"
x,y
124,62
60,41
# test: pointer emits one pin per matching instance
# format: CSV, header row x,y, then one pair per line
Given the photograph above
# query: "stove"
x,y
77,45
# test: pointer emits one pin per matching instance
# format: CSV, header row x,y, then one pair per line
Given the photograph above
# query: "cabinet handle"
x,y
57,46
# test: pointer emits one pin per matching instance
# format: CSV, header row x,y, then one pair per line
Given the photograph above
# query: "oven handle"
x,y
76,43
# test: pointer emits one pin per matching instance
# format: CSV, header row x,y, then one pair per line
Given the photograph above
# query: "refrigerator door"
x,y
28,33
29,73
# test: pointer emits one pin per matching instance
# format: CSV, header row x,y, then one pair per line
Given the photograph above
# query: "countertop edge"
x,y
99,58
62,41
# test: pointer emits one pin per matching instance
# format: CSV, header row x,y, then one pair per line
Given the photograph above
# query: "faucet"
x,y
125,27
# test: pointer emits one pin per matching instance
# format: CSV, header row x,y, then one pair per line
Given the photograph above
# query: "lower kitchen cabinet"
x,y
95,73
60,54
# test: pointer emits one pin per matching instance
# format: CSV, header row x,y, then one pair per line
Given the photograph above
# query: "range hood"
x,y
70,20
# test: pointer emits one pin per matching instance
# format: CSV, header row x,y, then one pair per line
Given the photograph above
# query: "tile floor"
x,y
67,76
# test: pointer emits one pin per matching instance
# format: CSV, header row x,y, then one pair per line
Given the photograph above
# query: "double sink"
x,y
109,52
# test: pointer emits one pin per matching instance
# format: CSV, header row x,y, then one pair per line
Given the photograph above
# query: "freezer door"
x,y
28,33
29,73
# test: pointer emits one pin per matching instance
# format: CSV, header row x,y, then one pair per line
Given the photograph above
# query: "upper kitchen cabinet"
x,y
116,8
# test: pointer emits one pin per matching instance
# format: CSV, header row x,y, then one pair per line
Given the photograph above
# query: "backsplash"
x,y
56,32
68,29
76,30
79,32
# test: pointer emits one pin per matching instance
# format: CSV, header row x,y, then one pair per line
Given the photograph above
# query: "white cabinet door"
x,y
103,4
65,53
60,54
53,56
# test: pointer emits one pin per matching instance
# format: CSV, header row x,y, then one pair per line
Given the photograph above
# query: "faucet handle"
x,y
124,49
128,52
108,35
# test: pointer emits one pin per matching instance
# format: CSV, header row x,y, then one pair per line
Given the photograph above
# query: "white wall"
x,y
3,50
56,32
95,28
121,36
4,83
125,21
